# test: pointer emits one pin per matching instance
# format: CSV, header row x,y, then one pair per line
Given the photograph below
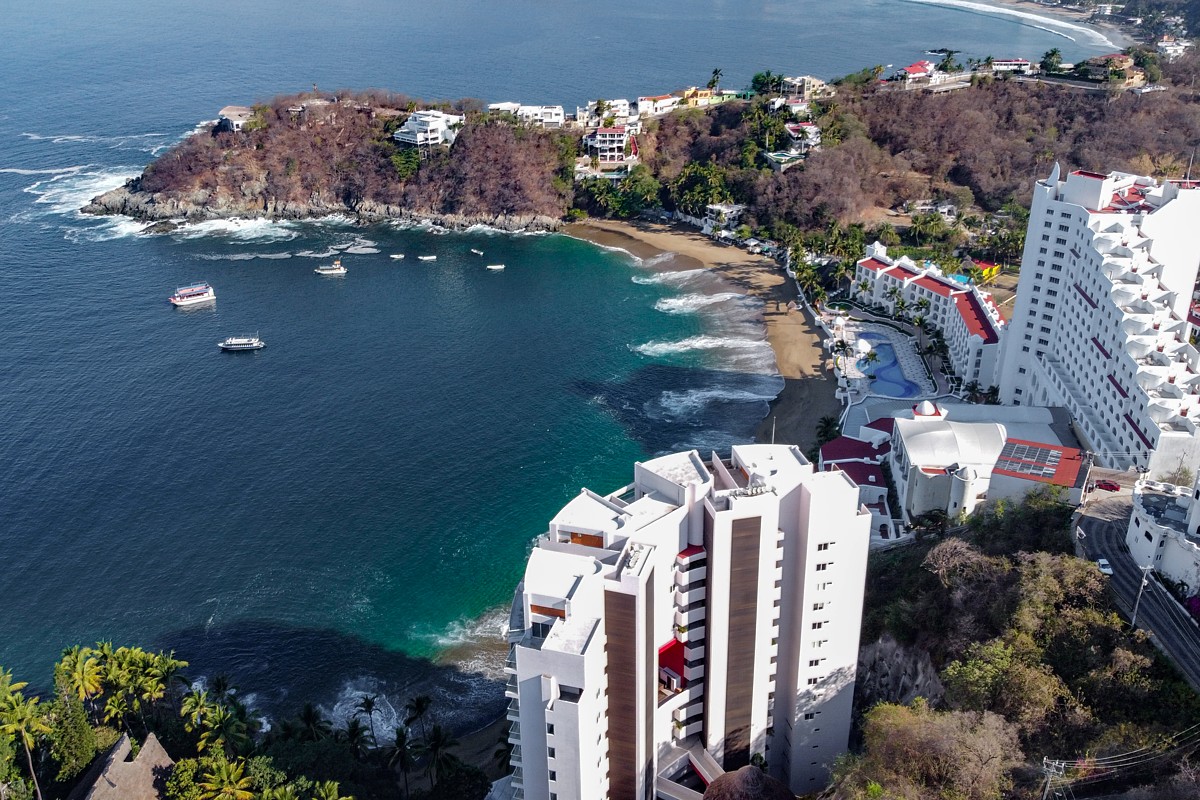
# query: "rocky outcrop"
x,y
889,672
129,200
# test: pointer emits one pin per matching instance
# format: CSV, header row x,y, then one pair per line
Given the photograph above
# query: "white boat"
x,y
476,252
495,267
426,258
234,343
335,268
397,256
193,295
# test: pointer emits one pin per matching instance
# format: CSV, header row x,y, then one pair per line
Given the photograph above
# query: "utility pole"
x,y
1145,580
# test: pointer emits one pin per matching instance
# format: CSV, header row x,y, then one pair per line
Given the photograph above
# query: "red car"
x,y
1108,486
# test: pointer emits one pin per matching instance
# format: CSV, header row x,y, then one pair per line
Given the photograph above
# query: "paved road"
x,y
1105,522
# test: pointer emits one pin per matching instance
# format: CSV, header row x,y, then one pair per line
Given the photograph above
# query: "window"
x,y
1054,280
1042,250
1060,241
550,728
1041,262
816,662
1045,330
1059,254
818,606
823,546
1064,228
1048,223
811,715
818,625
553,775
821,567
813,681
1025,348
1052,292
1021,370
549,752
1045,237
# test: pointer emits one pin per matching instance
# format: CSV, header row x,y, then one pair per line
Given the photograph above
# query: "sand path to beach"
x,y
808,392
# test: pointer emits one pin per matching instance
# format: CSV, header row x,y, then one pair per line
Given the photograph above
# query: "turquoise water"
x,y
890,380
326,515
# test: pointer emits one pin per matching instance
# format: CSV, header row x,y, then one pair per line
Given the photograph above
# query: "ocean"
x,y
349,509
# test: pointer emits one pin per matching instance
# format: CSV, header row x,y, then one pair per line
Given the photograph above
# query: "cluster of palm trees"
x,y
21,719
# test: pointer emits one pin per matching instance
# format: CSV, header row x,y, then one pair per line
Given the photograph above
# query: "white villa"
x,y
807,88
707,613
968,319
234,118
1100,324
428,129
610,145
657,105
618,109
1164,531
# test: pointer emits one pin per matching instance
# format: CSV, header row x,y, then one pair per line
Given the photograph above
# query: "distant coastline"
x,y
1117,35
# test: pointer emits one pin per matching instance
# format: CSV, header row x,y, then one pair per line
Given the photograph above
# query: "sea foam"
x,y
691,303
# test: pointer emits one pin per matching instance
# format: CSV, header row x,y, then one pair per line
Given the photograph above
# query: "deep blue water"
x,y
319,516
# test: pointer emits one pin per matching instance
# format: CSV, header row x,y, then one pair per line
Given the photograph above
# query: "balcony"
x,y
510,688
691,575
510,663
690,595
688,616
514,710
514,758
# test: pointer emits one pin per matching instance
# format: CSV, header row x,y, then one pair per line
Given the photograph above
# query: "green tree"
x,y
828,429
21,719
195,709
226,781
1051,60
313,726
698,186
715,80
366,705
72,739
329,790
948,63
437,748
181,785
223,732
401,756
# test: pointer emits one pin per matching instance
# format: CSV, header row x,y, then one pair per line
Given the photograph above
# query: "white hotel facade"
x,y
706,613
1100,323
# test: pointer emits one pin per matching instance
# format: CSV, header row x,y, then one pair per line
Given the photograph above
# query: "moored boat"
x,y
426,258
335,268
193,295
495,267
476,252
235,343
397,256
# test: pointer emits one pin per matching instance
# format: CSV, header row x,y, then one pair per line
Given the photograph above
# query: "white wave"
x,y
105,229
142,142
674,276
362,250
688,402
1052,24
691,303
693,343
241,229
329,253
65,192
59,171
240,256
492,626
388,714
658,259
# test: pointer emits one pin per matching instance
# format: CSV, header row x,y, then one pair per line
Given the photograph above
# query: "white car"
x,y
1104,567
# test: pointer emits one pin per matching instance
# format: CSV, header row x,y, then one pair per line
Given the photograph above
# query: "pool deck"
x,y
858,383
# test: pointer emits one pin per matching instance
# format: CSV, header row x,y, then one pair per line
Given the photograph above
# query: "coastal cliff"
x,y
303,157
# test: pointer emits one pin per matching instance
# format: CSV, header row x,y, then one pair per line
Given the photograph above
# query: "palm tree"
x,y
715,80
355,736
900,306
195,709
828,429
221,688
871,357
503,754
226,781
437,750
117,708
1052,60
841,349
313,726
81,668
223,731
366,705
416,709
329,790
279,793
401,755
864,287
19,718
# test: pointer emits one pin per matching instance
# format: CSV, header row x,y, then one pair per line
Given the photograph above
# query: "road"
x,y
1105,522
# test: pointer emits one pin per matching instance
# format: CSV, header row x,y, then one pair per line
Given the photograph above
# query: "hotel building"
x,y
968,319
703,615
1100,323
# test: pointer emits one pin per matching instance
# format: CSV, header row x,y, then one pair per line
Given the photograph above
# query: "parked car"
x,y
1103,565
1108,486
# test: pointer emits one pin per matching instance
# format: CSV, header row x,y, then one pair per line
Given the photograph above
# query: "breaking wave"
x,y
690,402
691,303
674,277
1044,23
693,343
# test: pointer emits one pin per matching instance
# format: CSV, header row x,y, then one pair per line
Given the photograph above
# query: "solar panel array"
x,y
1024,459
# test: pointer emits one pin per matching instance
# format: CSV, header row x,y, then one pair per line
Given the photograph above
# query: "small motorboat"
x,y
335,268
397,256
426,258
495,267
476,252
237,343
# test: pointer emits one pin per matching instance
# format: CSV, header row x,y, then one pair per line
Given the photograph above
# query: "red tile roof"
x,y
618,129
934,285
862,474
874,264
849,448
885,424
973,314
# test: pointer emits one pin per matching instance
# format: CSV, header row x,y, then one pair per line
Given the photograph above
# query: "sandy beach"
x,y
1116,34
808,392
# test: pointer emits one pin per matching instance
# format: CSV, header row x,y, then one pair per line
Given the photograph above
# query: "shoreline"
x,y
808,391
1119,36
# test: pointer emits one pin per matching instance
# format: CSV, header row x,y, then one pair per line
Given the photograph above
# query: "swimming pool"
x,y
889,376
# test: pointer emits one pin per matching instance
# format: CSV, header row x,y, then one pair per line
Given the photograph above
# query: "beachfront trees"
x,y
72,739
21,719
224,731
313,725
366,705
401,755
437,748
1051,60
715,80
416,709
698,186
226,781
766,82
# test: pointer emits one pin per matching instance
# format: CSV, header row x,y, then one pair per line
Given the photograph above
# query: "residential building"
x,y
721,216
123,775
504,108
234,118
922,73
706,613
968,319
1164,531
429,129
657,105
807,88
1019,66
611,145
1100,324
861,460
542,116
617,109
1171,48
1117,68
803,136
